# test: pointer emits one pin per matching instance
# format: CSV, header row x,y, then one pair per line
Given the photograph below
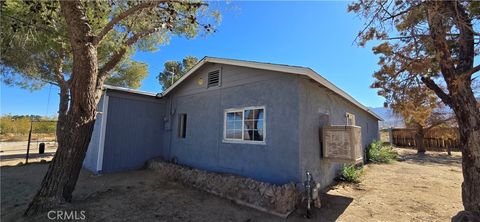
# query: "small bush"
x,y
350,173
379,153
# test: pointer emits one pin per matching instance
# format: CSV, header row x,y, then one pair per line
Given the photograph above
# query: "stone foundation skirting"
x,y
273,199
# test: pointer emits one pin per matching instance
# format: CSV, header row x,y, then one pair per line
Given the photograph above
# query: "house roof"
x,y
298,70
123,89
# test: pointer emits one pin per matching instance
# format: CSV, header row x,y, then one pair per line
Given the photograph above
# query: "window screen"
x,y
233,128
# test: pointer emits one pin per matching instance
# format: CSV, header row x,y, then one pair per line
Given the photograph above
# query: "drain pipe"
x,y
311,191
308,192
170,114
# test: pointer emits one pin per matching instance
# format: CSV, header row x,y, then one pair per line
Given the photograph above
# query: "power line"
x,y
48,99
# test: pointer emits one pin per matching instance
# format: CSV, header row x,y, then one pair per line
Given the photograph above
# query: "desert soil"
x,y
417,188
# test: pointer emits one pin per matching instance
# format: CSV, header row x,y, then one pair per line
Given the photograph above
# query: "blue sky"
x,y
318,35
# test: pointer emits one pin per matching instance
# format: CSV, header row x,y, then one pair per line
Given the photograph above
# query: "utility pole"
x,y
29,138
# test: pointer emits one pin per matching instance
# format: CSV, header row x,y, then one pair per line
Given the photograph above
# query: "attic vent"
x,y
213,78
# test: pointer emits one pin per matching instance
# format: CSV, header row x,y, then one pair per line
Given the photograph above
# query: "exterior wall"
x,y
276,161
134,131
319,106
142,127
91,157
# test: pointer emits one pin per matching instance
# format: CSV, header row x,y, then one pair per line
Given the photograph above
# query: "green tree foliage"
x,y
128,74
34,44
78,45
178,69
29,47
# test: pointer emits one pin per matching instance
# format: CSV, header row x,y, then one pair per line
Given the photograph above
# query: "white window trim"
x,y
242,141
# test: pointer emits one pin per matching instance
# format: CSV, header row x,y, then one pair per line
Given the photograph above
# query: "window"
x,y
247,124
182,125
213,78
350,119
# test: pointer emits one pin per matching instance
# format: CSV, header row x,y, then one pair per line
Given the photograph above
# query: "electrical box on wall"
x,y
342,144
167,124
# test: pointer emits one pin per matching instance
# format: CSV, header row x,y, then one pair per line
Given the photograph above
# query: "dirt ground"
x,y
417,188
425,188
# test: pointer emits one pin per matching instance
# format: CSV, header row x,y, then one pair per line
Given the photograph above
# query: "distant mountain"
x,y
390,119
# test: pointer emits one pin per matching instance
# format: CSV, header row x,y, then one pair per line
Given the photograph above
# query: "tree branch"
x,y
76,18
58,70
466,41
132,11
117,57
440,123
473,70
44,81
122,16
439,91
425,35
369,23
436,23
400,13
132,40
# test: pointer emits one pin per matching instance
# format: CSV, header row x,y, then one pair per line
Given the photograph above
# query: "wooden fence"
x,y
439,139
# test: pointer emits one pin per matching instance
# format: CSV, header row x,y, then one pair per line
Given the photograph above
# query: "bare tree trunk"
x,y
75,125
468,117
59,182
419,139
460,95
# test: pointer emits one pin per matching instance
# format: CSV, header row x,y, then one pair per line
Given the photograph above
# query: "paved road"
x,y
8,148
12,153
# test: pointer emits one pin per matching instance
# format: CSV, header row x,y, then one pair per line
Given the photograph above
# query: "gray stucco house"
x,y
258,120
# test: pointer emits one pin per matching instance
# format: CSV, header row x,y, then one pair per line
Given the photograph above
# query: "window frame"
x,y
242,140
182,126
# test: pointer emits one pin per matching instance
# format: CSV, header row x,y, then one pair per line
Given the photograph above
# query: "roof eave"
x,y
274,67
128,90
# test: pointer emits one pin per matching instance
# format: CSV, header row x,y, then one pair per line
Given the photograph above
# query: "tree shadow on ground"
x,y
32,155
332,207
431,158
